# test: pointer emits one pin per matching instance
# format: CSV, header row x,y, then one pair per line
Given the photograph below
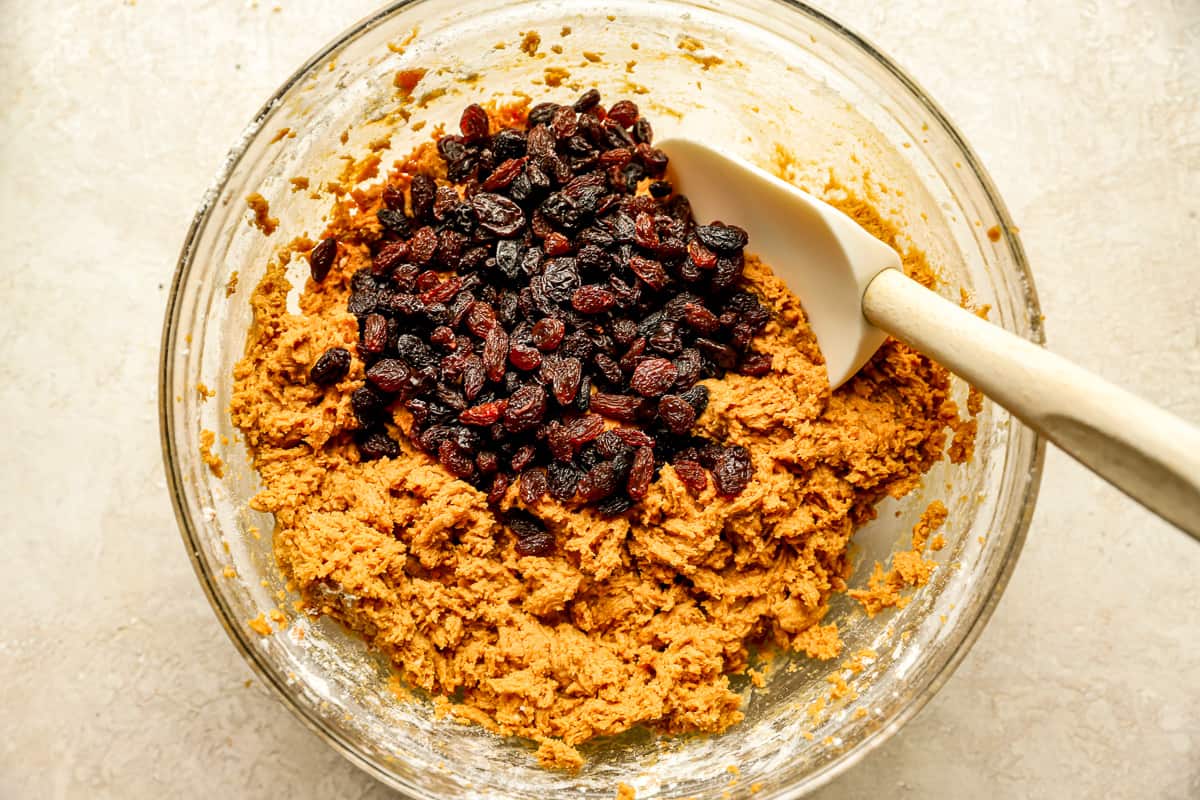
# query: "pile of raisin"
x,y
520,310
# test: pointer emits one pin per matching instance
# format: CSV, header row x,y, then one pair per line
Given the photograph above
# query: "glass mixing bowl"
x,y
775,82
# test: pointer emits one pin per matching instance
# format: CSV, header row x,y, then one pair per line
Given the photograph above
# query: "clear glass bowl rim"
x,y
174,476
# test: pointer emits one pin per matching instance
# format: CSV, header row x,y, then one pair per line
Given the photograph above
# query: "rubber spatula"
x,y
855,295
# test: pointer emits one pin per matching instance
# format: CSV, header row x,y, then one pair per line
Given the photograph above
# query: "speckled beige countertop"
x,y
116,681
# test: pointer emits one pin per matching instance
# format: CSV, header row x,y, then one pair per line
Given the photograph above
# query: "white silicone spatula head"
x,y
824,256
841,275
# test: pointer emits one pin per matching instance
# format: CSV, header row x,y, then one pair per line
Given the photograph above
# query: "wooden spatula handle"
x,y
1146,452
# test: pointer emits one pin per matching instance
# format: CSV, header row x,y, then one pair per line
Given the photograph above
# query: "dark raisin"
x,y
725,239
487,462
634,437
321,258
565,376
640,473
624,112
532,538
692,476
642,132
534,485
522,457
376,444
499,487
697,398
676,414
495,353
563,480
473,378
422,191
526,409
653,376
755,364
599,482
733,470
508,143
498,214
367,403
331,367
389,374
614,506
456,459
623,331
395,222
587,101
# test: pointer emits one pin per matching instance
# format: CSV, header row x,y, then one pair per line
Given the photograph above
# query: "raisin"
x,y
480,319
724,239
321,257
592,299
584,429
697,398
389,374
532,538
676,413
456,459
522,457
498,214
599,482
692,476
474,376
622,408
422,191
587,101
534,485
653,376
374,334
548,334
376,444
331,367
651,272
634,437
495,353
642,132
556,244
499,487
524,357
487,462
755,364
614,506
641,473
733,470
565,376
563,480
389,257
701,319
485,414
442,292
474,123
624,112
367,403
503,176
526,409
422,245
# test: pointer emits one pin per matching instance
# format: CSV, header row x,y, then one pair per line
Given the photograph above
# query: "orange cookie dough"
x,y
635,620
